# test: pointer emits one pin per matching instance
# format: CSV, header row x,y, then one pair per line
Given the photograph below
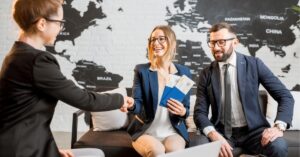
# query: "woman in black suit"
x,y
31,84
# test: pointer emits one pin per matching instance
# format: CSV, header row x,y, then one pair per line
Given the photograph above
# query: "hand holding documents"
x,y
176,88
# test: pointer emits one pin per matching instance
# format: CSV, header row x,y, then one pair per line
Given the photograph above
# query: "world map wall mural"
x,y
103,40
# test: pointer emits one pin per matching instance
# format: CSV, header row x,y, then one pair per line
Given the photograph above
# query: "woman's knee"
x,y
173,147
174,143
148,146
155,151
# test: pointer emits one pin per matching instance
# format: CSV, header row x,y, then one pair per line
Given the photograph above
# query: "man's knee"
x,y
277,148
198,140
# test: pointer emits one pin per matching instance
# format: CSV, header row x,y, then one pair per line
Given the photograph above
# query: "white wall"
x,y
122,48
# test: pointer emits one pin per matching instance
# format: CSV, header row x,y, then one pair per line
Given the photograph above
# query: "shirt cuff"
x,y
208,129
281,123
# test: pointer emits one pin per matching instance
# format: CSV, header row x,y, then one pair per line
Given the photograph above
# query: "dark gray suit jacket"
x,y
31,83
251,72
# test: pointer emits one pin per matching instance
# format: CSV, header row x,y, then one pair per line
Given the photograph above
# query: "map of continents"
x,y
258,23
87,73
270,24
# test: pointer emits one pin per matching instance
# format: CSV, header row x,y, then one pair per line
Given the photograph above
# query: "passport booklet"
x,y
176,88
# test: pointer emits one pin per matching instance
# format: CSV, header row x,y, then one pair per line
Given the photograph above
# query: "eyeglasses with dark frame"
x,y
221,42
160,39
61,22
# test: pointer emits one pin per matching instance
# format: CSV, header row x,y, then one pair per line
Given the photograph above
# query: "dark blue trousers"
x,y
250,142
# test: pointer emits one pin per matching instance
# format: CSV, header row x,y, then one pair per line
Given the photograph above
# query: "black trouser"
x,y
250,142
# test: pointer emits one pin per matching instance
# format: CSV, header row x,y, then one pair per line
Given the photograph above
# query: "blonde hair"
x,y
171,41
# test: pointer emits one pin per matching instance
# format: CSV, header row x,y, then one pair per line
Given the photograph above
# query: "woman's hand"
x,y
128,104
66,153
176,107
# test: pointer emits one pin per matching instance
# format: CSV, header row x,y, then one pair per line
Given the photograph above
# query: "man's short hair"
x,y
221,25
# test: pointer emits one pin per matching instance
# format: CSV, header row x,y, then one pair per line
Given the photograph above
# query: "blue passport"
x,y
176,90
174,93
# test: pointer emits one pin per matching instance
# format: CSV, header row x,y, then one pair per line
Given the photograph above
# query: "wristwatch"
x,y
280,127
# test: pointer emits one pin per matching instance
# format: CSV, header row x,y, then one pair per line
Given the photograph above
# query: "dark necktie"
x,y
227,103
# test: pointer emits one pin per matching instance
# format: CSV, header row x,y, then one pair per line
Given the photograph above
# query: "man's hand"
x,y
270,134
66,153
226,149
128,103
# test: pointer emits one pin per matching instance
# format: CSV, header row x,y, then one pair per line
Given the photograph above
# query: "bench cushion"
x,y
112,143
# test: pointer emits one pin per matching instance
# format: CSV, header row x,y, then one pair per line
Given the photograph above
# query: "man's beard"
x,y
225,55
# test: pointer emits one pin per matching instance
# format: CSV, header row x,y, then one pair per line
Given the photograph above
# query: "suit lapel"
x,y
241,75
153,80
215,81
179,72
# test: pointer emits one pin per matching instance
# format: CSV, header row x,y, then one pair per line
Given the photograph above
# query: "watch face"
x,y
280,127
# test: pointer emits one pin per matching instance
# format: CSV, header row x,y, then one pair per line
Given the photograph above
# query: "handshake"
x,y
128,103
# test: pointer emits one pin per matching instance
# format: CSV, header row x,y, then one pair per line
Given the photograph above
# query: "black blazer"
x,y
31,83
251,72
145,94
